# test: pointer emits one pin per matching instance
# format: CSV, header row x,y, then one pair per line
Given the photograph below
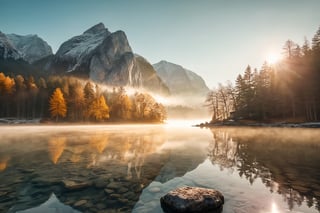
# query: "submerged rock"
x,y
72,185
192,199
80,203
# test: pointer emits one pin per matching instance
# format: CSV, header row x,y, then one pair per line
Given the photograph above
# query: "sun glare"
x,y
273,58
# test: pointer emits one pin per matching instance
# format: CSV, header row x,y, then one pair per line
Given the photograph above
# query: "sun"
x,y
273,58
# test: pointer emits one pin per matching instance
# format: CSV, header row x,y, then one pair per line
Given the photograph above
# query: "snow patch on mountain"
x,y
7,50
30,47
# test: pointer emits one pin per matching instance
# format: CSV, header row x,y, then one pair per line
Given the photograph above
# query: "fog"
x,y
178,106
37,159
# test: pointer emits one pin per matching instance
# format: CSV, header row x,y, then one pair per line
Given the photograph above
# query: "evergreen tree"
x,y
316,42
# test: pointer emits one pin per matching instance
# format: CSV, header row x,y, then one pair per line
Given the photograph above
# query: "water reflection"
x,y
111,164
286,161
56,147
128,168
3,163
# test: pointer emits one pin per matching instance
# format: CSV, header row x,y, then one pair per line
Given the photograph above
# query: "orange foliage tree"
x,y
58,106
99,109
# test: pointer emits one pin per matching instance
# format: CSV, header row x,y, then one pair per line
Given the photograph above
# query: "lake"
x,y
127,168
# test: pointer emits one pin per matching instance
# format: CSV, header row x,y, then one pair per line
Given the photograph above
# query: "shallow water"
x,y
127,168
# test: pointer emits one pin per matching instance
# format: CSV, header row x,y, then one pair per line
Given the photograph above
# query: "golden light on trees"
x,y
58,106
56,147
99,109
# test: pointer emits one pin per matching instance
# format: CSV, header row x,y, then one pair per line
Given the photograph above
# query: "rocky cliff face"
x,y
100,55
30,47
7,50
150,78
105,57
180,80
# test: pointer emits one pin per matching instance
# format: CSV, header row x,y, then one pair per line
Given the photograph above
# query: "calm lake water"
x,y
127,168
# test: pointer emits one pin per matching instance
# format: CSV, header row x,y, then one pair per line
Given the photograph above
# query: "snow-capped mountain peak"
x,y
7,50
30,47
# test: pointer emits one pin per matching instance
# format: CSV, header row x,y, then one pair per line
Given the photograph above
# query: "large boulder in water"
x,y
192,199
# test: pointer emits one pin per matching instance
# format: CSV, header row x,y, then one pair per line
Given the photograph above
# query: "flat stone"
x,y
115,196
101,206
192,199
108,191
111,202
122,190
80,202
114,185
3,193
129,195
100,184
72,185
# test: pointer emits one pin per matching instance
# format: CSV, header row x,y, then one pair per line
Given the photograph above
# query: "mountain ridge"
x,y
99,55
180,81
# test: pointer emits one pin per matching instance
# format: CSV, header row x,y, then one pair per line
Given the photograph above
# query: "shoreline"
x,y
13,121
258,124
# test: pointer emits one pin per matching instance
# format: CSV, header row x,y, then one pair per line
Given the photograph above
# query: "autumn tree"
x,y
6,92
58,107
99,109
121,105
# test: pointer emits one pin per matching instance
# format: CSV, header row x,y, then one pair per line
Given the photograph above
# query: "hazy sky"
x,y
216,39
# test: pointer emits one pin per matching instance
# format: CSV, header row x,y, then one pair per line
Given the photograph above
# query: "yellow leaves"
x,y
6,84
58,107
99,109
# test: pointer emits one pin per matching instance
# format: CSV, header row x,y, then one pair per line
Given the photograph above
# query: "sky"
x,y
217,39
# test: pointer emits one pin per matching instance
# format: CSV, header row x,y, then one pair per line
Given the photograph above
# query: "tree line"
x,y
74,100
286,90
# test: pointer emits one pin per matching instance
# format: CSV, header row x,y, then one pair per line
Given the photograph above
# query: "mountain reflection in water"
x,y
125,168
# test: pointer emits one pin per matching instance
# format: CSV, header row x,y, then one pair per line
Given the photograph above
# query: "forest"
x,y
68,99
288,90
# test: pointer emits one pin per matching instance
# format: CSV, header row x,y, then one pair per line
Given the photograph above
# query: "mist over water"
x,y
128,168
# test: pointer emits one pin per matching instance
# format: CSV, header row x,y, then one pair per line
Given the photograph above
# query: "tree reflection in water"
x,y
286,163
56,147
3,163
40,163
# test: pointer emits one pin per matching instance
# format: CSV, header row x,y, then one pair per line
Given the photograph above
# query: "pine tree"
x,y
288,48
306,47
58,107
76,101
316,41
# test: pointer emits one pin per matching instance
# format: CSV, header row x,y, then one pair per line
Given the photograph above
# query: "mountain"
x,y
30,47
97,54
180,80
7,50
150,78
104,57
11,60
